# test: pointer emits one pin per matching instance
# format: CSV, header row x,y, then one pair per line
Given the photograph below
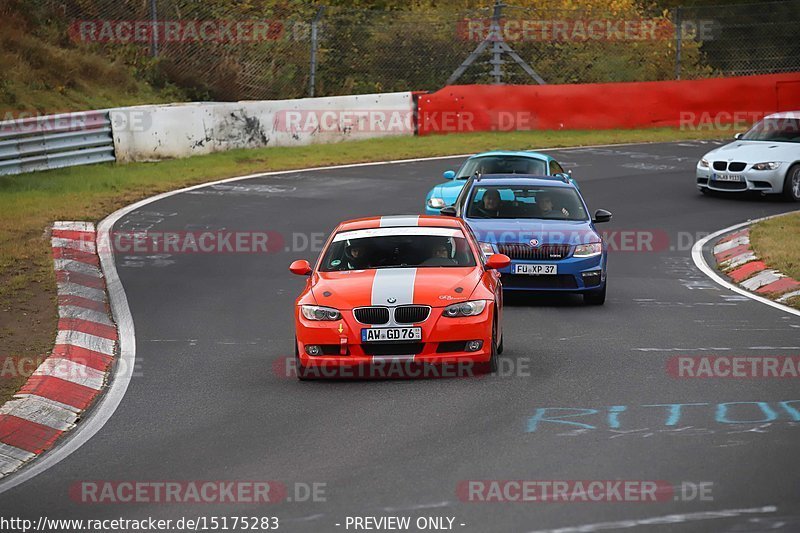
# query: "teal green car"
x,y
497,162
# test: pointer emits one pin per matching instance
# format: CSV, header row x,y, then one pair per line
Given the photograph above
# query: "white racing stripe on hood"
x,y
399,220
397,283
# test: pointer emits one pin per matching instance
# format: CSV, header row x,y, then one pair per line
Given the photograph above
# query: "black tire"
x,y
500,346
791,184
493,359
595,297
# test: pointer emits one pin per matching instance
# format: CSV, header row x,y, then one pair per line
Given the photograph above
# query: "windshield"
x,y
557,203
396,248
775,129
503,164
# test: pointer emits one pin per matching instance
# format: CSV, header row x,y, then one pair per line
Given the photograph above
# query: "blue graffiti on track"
x,y
664,414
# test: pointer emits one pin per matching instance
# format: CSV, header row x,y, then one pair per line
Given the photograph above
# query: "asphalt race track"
x,y
208,400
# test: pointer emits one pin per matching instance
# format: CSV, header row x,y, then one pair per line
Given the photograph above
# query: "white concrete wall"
x,y
146,133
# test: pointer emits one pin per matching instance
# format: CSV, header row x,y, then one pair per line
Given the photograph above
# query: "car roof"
x,y
524,179
520,153
785,114
401,221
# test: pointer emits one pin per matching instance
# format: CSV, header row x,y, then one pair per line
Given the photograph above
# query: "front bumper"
x,y
574,275
443,342
766,181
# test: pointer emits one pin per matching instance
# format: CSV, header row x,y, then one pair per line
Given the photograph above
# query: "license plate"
x,y
390,334
535,270
726,177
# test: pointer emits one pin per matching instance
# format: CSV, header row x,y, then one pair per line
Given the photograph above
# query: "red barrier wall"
x,y
691,104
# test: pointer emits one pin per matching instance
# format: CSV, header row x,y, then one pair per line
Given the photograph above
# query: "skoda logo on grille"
x,y
534,243
391,300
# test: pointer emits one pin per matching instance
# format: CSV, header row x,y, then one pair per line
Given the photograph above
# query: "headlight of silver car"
x,y
588,250
471,308
487,248
435,203
704,163
772,165
316,312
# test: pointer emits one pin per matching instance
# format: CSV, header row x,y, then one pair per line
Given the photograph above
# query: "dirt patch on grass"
x,y
28,320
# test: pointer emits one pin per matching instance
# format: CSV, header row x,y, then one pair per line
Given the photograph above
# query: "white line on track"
x,y
700,262
108,403
661,520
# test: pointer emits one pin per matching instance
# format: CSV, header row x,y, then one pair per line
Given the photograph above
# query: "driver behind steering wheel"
x,y
355,257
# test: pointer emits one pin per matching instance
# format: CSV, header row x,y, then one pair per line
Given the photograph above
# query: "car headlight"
x,y
487,248
435,203
588,250
704,163
772,165
471,308
315,312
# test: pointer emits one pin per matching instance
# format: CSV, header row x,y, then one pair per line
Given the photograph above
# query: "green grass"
x,y
777,242
29,203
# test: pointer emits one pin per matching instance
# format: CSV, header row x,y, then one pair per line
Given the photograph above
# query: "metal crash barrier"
x,y
55,141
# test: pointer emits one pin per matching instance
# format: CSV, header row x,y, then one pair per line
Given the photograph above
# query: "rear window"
x,y
505,164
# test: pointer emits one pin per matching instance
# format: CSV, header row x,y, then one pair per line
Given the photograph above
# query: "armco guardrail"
x,y
55,141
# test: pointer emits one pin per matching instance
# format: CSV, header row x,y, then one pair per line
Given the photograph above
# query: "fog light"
x,y
592,278
474,346
313,349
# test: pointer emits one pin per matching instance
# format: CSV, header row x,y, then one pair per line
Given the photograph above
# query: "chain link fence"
x,y
222,50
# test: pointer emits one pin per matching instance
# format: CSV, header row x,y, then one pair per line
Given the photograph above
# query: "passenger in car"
x,y
546,207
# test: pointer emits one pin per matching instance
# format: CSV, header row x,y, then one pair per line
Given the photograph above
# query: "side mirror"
x,y
301,267
497,261
449,175
601,215
449,211
738,136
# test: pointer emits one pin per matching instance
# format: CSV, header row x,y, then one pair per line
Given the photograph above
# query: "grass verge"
x,y
29,203
777,242
49,76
